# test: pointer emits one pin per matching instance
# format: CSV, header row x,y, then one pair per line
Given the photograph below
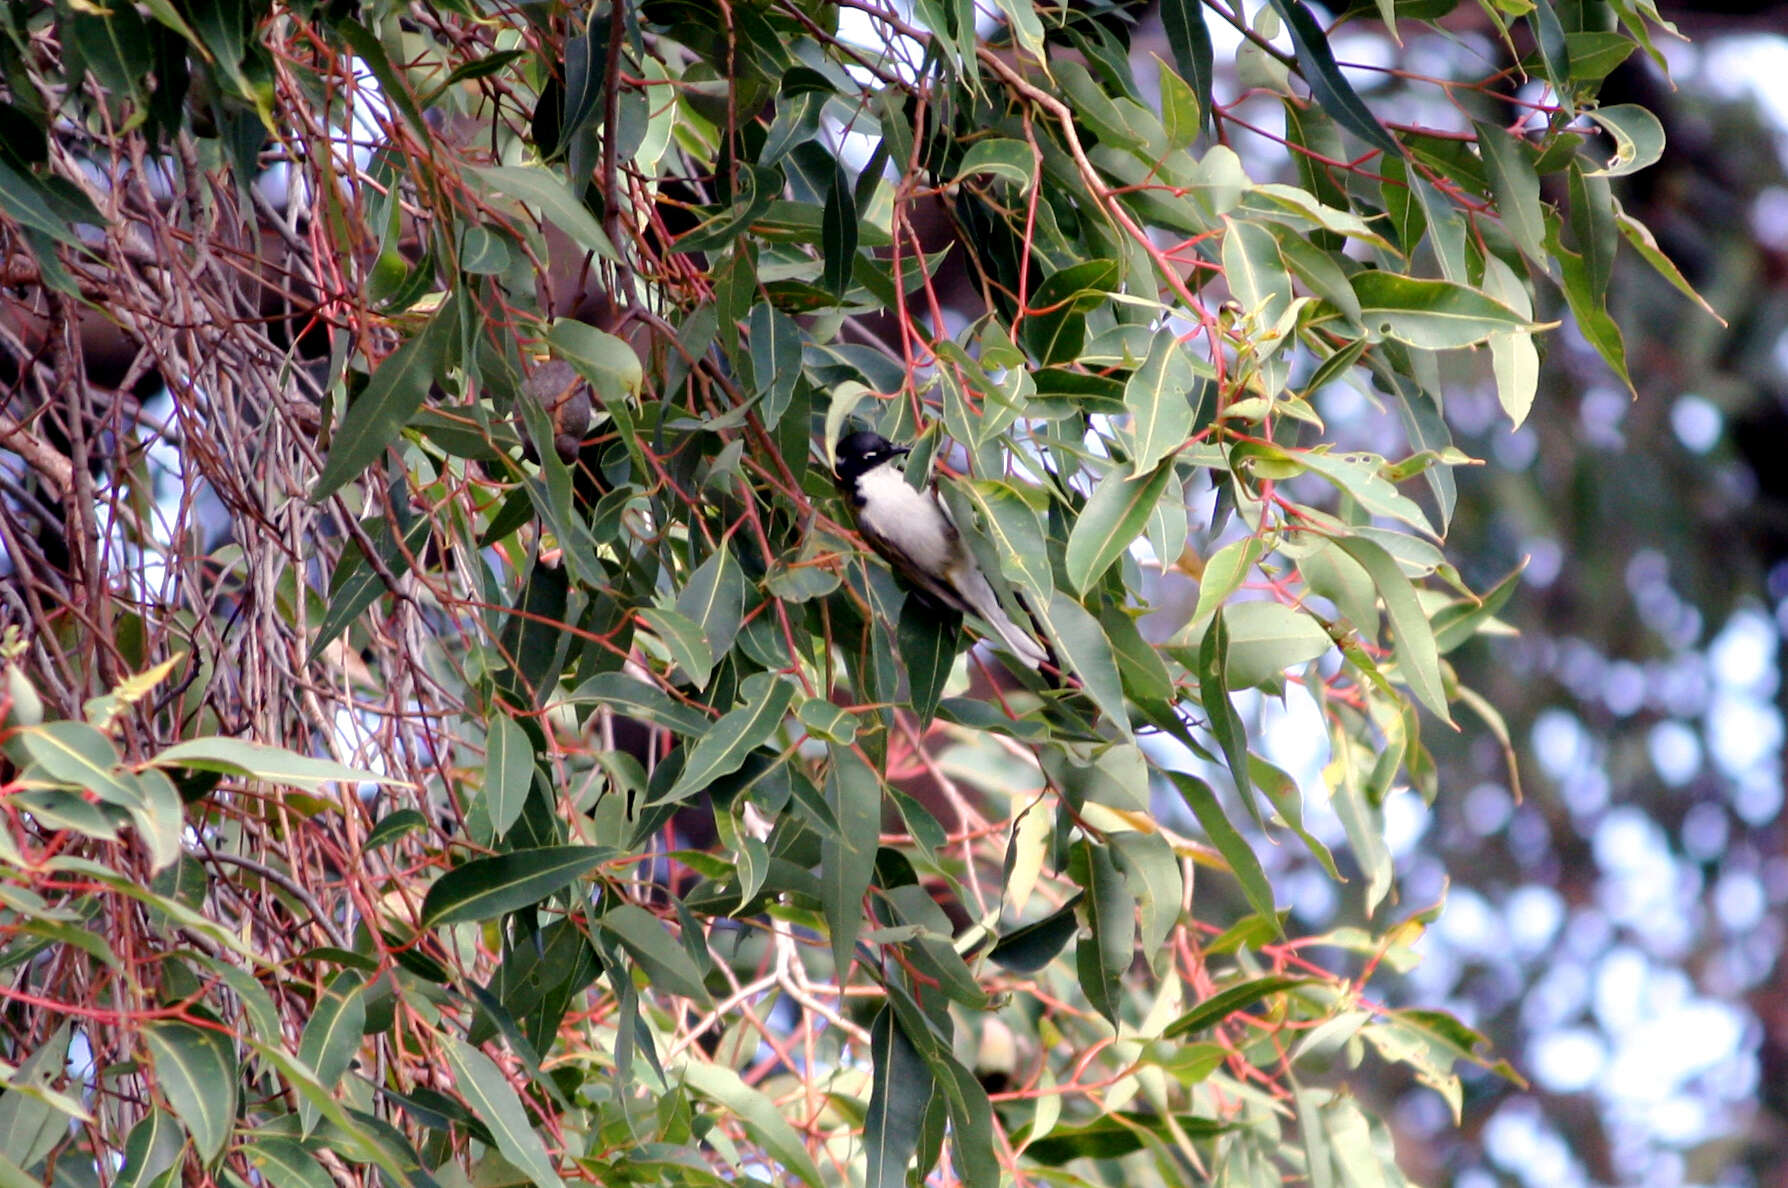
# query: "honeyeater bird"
x,y
913,532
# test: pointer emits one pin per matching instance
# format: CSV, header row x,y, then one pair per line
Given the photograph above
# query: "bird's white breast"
x,y
912,520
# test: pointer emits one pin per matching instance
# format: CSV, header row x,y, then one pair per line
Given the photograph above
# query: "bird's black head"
x,y
860,453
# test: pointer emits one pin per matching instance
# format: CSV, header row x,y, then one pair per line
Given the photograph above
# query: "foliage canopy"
x,y
660,837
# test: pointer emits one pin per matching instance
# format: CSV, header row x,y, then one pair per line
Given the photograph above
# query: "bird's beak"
x,y
900,451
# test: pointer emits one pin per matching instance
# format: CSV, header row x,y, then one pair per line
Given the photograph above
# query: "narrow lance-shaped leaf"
x,y
332,1033
901,1085
397,389
485,888
839,232
759,1114
1111,917
722,750
197,1071
1112,520
1433,314
1155,395
1190,42
493,1100
1083,647
645,938
508,771
1517,189
1231,844
1417,656
847,858
1328,86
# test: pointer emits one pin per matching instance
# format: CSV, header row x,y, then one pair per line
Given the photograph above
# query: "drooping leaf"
x,y
1190,42
1111,521
900,1088
847,858
493,1100
1328,86
399,385
646,940
197,1071
766,1123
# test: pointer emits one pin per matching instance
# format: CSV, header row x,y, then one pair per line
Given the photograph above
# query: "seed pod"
x,y
565,396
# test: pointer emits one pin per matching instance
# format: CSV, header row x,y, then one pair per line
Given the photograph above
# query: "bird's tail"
x,y
1017,640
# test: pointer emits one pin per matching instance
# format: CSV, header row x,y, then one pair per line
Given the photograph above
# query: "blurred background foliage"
x,y
1619,930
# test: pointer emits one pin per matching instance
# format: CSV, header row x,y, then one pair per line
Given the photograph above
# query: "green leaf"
x,y
356,585
1221,719
1112,918
393,87
1592,224
776,357
1417,657
685,640
1231,844
1224,1003
75,753
1514,359
1328,86
1256,272
1589,305
548,193
666,964
490,1096
722,750
391,397
928,649
508,772
838,232
1432,314
284,1163
1152,873
333,1031
847,858
633,697
27,200
485,888
1112,519
33,1117
1002,157
714,599
1190,42
1181,113
762,1119
1638,138
1055,326
1114,1135
1555,53
1266,638
1012,526
901,1085
153,1147
1517,190
1082,646
606,361
197,1071
1155,395
1640,237
1028,949
251,760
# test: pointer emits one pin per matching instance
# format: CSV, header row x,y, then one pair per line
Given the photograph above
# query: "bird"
x,y
913,532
